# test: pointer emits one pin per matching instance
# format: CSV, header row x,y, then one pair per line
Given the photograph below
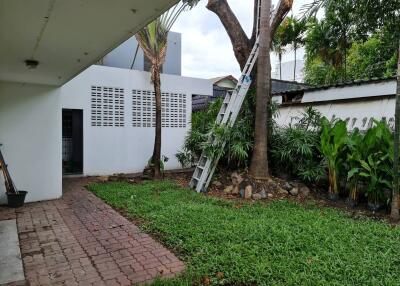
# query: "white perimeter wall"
x,y
363,102
355,112
109,150
30,129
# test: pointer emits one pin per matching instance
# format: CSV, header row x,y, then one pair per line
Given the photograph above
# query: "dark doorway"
x,y
72,141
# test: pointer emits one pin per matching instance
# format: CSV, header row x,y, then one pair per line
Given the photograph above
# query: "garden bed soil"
x,y
316,195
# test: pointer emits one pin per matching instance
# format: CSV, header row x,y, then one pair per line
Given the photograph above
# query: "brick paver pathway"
x,y
80,240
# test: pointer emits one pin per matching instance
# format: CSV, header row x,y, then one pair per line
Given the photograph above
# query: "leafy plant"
x,y
164,159
333,139
369,160
233,144
295,148
356,151
374,170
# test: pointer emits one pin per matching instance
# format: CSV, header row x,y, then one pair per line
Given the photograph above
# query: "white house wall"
x,y
109,150
30,131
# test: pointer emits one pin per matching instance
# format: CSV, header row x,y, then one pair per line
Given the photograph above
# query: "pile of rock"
x,y
245,189
294,189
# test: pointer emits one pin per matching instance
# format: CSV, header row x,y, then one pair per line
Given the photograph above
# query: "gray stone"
x,y
287,186
228,189
270,195
248,192
294,191
217,183
256,196
281,191
236,178
263,194
11,269
304,191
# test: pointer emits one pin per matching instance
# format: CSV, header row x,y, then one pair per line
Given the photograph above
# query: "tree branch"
x,y
240,42
283,8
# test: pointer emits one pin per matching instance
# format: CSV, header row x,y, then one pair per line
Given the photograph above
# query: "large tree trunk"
x,y
156,158
395,198
259,160
295,59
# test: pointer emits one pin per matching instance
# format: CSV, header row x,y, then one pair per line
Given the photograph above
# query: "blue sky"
x,y
206,48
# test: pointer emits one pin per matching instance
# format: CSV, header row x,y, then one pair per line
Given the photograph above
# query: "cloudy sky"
x,y
206,48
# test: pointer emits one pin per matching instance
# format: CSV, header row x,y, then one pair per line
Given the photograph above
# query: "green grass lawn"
x,y
281,243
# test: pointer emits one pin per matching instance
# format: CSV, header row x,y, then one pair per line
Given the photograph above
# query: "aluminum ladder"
x,y
227,115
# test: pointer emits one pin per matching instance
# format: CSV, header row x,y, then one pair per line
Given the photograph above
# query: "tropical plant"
x,y
375,171
279,43
238,139
153,41
296,33
369,159
355,153
295,148
333,139
354,40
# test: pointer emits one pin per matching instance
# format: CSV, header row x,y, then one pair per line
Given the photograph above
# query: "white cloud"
x,y
206,48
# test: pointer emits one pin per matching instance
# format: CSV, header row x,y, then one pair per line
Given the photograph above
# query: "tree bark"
x,y
156,158
259,160
394,215
242,45
295,58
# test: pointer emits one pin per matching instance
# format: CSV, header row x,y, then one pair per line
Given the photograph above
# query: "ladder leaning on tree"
x,y
227,115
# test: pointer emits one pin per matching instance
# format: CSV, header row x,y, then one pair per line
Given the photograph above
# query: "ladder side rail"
x,y
199,186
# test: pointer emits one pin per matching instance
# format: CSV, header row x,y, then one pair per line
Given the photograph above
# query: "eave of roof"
x,y
337,85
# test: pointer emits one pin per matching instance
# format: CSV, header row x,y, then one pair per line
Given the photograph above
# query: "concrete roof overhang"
x,y
66,36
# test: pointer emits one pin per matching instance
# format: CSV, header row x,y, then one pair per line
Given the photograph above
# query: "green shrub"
x,y
233,144
295,148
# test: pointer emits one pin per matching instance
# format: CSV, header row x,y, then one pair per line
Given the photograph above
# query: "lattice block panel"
x,y
107,106
173,109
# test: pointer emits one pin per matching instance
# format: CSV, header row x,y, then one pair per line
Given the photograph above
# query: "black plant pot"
x,y
375,207
351,203
333,197
16,200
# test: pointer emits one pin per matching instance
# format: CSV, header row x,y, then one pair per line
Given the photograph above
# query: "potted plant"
x,y
15,197
373,170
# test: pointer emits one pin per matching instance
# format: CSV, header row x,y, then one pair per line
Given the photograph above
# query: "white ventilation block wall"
x,y
118,112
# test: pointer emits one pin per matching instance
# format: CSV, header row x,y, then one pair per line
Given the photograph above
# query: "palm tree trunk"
x,y
259,160
295,58
394,215
156,158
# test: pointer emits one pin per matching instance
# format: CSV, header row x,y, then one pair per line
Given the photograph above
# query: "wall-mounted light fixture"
x,y
31,64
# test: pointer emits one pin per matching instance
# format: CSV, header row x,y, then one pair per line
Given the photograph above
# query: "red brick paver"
x,y
80,240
